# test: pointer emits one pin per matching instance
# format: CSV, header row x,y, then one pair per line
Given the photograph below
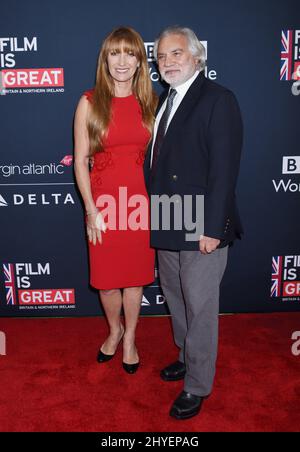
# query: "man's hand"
x,y
207,244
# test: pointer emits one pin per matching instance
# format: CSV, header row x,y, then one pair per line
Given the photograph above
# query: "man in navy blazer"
x,y
195,151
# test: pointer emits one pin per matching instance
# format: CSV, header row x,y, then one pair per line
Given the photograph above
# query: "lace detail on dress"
x,y
103,160
140,158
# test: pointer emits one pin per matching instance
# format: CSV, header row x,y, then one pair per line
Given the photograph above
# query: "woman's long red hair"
x,y
100,109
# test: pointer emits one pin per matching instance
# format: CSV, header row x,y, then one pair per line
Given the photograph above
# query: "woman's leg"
x,y
132,298
112,304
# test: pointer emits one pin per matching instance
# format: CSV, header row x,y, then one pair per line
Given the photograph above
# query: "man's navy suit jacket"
x,y
200,154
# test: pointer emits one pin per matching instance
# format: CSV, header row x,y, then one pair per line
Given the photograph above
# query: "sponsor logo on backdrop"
x,y
290,167
290,55
145,301
290,58
3,203
286,278
159,299
22,282
154,74
67,160
37,199
26,80
36,169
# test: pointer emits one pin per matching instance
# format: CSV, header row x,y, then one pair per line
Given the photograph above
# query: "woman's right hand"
x,y
95,226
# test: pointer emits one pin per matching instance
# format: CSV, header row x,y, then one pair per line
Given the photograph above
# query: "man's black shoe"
x,y
173,372
186,405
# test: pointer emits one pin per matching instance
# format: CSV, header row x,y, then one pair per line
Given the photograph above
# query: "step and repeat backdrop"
x,y
48,54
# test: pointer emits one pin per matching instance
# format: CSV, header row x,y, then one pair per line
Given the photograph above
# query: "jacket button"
x,y
174,177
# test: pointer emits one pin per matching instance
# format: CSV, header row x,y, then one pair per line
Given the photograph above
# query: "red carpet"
x,y
50,380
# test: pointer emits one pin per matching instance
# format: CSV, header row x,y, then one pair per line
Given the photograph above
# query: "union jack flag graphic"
x,y
286,55
9,284
276,276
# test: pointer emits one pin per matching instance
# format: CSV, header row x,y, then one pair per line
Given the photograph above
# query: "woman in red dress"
x,y
113,125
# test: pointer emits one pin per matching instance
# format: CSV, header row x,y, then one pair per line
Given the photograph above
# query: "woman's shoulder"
x,y
85,99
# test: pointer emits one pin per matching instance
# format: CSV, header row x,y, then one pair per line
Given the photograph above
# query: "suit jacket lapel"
x,y
190,99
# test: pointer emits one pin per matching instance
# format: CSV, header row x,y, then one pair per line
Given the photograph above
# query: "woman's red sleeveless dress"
x,y
124,259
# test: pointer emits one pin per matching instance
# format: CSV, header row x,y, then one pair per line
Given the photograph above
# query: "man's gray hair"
x,y
196,48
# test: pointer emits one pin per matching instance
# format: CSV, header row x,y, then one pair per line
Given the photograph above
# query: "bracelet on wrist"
x,y
92,213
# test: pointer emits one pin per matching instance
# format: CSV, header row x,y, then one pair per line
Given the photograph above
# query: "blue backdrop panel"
x,y
48,55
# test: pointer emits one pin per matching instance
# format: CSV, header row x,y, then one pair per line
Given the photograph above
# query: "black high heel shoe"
x,y
103,357
131,368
